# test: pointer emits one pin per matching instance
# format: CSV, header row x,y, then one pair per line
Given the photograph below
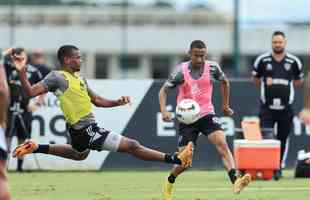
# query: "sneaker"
x,y
186,156
241,183
277,174
26,148
168,190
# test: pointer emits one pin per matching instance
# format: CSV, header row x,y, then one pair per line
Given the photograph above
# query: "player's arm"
x,y
20,61
298,73
100,101
218,75
305,113
4,97
257,72
174,80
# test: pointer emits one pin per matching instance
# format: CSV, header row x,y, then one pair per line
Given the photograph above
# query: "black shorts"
x,y
3,154
19,125
205,125
91,137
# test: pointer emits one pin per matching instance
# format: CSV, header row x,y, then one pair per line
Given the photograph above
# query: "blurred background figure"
x,y
4,101
276,73
305,113
20,108
38,60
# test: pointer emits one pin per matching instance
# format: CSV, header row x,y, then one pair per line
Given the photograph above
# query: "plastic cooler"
x,y
258,157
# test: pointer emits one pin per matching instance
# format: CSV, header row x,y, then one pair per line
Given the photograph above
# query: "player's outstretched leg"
x,y
183,158
61,150
219,140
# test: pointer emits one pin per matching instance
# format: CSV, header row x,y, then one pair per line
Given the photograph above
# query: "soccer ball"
x,y
187,111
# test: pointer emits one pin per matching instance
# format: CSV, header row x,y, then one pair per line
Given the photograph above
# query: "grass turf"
x,y
147,185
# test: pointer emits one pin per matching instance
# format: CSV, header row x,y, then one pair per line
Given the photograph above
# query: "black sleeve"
x,y
297,70
257,69
176,78
44,70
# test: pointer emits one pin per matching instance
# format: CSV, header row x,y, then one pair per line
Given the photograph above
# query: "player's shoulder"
x,y
212,63
32,68
264,57
292,58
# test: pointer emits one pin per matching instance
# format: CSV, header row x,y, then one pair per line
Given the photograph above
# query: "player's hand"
x,y
167,116
19,60
227,111
123,100
304,115
32,107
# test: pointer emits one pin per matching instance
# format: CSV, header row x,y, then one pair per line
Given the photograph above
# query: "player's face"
x,y
198,56
75,60
278,44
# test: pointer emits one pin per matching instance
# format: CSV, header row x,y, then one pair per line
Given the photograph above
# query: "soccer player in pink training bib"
x,y
194,80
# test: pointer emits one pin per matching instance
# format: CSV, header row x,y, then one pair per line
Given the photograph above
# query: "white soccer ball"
x,y
187,111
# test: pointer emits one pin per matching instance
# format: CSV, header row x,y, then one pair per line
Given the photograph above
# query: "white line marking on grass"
x,y
248,189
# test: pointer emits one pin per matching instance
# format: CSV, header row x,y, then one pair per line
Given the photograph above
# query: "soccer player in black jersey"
x,y
277,73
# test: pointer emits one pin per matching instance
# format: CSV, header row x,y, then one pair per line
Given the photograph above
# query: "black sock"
x,y
232,175
42,148
20,165
172,158
171,178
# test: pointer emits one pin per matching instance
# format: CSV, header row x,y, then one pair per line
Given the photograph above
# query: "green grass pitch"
x,y
147,185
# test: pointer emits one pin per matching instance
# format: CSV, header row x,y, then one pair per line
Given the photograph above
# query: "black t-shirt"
x,y
18,95
43,69
280,93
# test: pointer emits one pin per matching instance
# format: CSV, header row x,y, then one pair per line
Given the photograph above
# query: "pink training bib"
x,y
199,90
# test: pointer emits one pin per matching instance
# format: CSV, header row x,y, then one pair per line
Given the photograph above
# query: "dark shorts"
x,y
19,125
91,137
205,125
3,154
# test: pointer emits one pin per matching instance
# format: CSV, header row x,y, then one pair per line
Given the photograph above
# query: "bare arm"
x,y
163,93
298,83
256,81
4,97
20,62
307,92
34,90
225,91
103,102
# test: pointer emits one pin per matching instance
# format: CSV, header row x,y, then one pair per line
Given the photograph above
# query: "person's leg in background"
x,y
284,127
266,122
23,131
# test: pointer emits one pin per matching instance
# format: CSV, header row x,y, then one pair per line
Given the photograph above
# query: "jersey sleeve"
x,y
90,91
297,70
53,81
216,72
176,78
257,69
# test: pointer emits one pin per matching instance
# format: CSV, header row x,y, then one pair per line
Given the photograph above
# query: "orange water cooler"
x,y
255,155
258,157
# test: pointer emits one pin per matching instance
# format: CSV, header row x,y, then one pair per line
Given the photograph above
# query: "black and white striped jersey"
x,y
280,93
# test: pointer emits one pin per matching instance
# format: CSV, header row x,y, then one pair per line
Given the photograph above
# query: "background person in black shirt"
x,y
276,73
38,60
20,108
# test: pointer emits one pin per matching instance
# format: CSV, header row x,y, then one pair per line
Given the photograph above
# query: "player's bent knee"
x,y
133,145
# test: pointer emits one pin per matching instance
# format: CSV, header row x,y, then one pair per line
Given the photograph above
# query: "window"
x,y
102,65
129,62
160,67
